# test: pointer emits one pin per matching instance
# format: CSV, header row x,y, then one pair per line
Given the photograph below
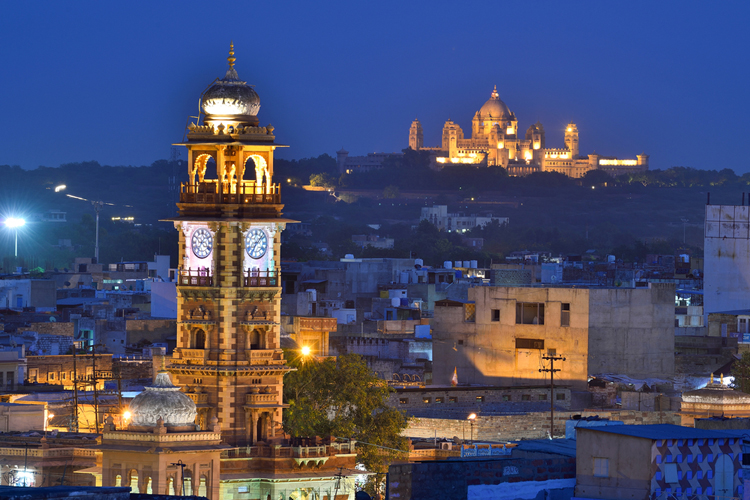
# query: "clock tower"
x,y
228,357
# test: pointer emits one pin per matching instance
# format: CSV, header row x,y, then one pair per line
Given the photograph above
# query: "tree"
x,y
391,191
342,397
322,179
741,373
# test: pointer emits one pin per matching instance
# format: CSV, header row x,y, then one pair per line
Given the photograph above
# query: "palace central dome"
x,y
494,107
162,400
230,96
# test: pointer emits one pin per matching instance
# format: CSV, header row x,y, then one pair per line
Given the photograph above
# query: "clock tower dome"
x,y
228,356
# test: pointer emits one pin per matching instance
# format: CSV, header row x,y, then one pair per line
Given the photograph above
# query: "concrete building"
x,y
726,258
657,461
501,334
350,164
496,140
438,215
21,293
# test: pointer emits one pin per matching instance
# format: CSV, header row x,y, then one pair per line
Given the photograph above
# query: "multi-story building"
x,y
439,216
657,461
500,336
496,140
726,251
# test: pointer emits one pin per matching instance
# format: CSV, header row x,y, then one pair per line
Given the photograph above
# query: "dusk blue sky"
x,y
115,81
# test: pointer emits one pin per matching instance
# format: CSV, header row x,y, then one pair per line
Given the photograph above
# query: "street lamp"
x,y
305,350
14,223
471,419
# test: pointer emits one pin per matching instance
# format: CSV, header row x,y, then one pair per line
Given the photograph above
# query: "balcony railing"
x,y
261,278
212,192
198,398
196,355
196,277
265,357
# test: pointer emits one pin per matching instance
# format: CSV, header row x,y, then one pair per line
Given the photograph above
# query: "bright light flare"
x,y
472,416
59,188
305,350
51,416
127,415
76,197
13,222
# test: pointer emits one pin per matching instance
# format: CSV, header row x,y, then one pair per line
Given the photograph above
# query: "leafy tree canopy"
x,y
342,397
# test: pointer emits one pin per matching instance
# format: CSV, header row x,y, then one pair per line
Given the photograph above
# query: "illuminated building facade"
x,y
496,140
228,359
500,335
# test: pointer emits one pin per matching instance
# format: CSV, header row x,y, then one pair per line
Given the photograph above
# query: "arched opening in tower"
x,y
200,339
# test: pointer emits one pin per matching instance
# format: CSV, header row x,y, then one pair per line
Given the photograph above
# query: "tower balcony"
x,y
267,278
213,192
195,277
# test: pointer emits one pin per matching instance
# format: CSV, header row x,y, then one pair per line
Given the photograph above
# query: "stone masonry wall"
x,y
524,426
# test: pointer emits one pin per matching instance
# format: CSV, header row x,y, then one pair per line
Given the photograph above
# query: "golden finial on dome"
x,y
495,95
231,57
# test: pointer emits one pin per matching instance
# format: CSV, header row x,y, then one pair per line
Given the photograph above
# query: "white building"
x,y
438,215
726,249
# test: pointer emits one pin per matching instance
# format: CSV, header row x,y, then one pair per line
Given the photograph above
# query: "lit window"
x,y
601,467
529,313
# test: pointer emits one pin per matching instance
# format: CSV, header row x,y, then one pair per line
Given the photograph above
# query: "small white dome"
x,y
162,400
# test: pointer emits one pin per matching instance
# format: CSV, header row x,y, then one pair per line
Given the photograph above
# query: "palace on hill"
x,y
496,140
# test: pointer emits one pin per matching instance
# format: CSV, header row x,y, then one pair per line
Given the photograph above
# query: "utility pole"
x,y
338,482
97,207
551,370
75,388
182,475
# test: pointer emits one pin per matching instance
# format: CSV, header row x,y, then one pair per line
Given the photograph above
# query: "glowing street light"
x,y
471,419
14,223
305,350
59,188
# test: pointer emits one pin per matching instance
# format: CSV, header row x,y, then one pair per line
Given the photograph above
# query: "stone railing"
x,y
198,355
195,277
261,278
198,398
264,357
211,192
255,399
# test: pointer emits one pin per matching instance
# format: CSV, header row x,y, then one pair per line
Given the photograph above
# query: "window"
x,y
506,397
62,375
496,315
560,396
480,399
565,315
403,401
438,400
470,313
601,467
453,399
461,342
551,352
542,397
51,376
526,397
426,400
670,473
529,313
530,344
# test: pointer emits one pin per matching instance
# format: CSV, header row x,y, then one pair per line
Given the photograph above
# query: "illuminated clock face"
x,y
256,243
202,243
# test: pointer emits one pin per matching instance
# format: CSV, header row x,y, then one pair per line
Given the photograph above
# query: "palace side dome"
x,y
162,400
231,98
494,107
